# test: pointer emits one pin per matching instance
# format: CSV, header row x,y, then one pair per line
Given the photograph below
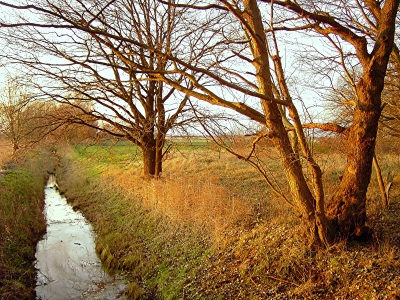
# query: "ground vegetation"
x,y
22,222
212,229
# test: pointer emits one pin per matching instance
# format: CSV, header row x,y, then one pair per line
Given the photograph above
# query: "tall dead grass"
x,y
185,199
262,256
5,151
207,190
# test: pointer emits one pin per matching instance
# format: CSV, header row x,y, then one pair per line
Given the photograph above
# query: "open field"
x,y
211,229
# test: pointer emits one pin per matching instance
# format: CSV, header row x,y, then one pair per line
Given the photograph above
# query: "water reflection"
x,y
68,267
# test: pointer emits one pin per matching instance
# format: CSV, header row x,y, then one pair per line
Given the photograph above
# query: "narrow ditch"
x,y
66,261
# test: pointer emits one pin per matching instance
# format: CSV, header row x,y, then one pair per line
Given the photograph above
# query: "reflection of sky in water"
x,y
68,267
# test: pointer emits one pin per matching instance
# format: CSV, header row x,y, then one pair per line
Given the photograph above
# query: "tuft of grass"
x,y
134,291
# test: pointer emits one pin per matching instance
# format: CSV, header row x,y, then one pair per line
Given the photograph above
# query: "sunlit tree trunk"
x,y
304,202
149,159
347,210
153,157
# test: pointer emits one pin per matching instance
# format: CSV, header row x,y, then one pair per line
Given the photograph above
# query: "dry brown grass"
x,y
214,190
257,250
5,151
187,195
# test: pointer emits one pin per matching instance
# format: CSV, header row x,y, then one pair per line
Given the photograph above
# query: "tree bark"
x,y
303,199
347,209
152,157
149,162
149,158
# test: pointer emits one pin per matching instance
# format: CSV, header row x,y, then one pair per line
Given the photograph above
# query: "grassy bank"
x,y
157,254
21,223
211,229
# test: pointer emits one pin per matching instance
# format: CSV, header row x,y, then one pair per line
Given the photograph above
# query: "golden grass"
x,y
5,151
255,250
187,197
153,248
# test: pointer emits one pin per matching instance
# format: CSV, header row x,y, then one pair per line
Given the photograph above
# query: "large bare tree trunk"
x,y
347,209
149,162
303,199
152,158
149,157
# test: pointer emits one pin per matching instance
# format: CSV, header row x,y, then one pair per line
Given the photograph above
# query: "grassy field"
x,y
21,221
211,229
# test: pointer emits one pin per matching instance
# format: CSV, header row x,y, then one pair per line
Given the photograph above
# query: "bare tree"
x,y
27,123
82,51
15,114
239,77
60,122
367,30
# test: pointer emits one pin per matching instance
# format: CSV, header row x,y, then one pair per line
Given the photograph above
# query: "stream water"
x,y
66,261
